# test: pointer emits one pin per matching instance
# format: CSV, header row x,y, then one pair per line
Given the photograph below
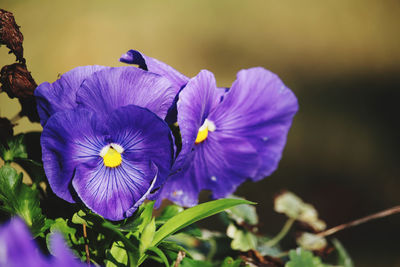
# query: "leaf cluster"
x,y
169,239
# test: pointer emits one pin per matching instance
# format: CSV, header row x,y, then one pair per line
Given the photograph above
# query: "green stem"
x,y
142,259
131,259
282,233
282,254
213,249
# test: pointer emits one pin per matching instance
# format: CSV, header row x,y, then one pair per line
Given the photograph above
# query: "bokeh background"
x,y
340,57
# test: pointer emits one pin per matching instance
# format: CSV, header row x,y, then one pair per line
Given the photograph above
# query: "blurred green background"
x,y
341,58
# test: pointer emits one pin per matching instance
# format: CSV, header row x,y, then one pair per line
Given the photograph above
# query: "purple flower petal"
x,y
63,257
195,102
17,247
180,187
219,164
68,139
144,136
61,94
72,144
177,79
222,163
249,132
260,108
148,151
107,90
146,195
111,192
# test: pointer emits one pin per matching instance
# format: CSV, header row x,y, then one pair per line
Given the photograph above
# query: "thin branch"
x,y
374,216
179,258
86,245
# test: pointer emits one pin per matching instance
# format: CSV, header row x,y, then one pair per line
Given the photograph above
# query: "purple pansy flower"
x,y
17,248
110,149
228,136
226,142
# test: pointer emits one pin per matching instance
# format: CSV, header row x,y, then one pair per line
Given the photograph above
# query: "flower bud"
x,y
17,81
10,35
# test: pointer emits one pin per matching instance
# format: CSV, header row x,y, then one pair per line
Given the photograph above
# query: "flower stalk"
x,y
285,229
86,245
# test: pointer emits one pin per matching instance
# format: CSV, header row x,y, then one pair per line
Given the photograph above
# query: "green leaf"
x,y
147,236
19,199
343,257
243,240
243,213
16,149
132,250
78,218
265,249
186,262
69,233
146,215
303,258
28,208
47,224
119,257
160,254
139,220
311,241
192,230
289,204
9,180
169,212
194,214
109,232
294,207
174,247
61,225
229,262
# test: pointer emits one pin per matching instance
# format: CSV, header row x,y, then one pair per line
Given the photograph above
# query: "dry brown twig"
x,y
86,245
365,219
179,258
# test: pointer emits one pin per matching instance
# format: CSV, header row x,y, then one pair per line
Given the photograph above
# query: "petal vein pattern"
x,y
61,94
250,127
76,144
107,90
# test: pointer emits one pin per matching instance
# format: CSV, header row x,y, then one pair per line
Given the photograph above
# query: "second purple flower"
x,y
228,136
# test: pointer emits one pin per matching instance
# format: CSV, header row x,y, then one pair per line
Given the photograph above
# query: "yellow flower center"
x,y
203,131
112,155
201,136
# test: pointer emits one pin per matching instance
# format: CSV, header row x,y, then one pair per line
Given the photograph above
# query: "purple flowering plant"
x,y
119,142
108,145
228,135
